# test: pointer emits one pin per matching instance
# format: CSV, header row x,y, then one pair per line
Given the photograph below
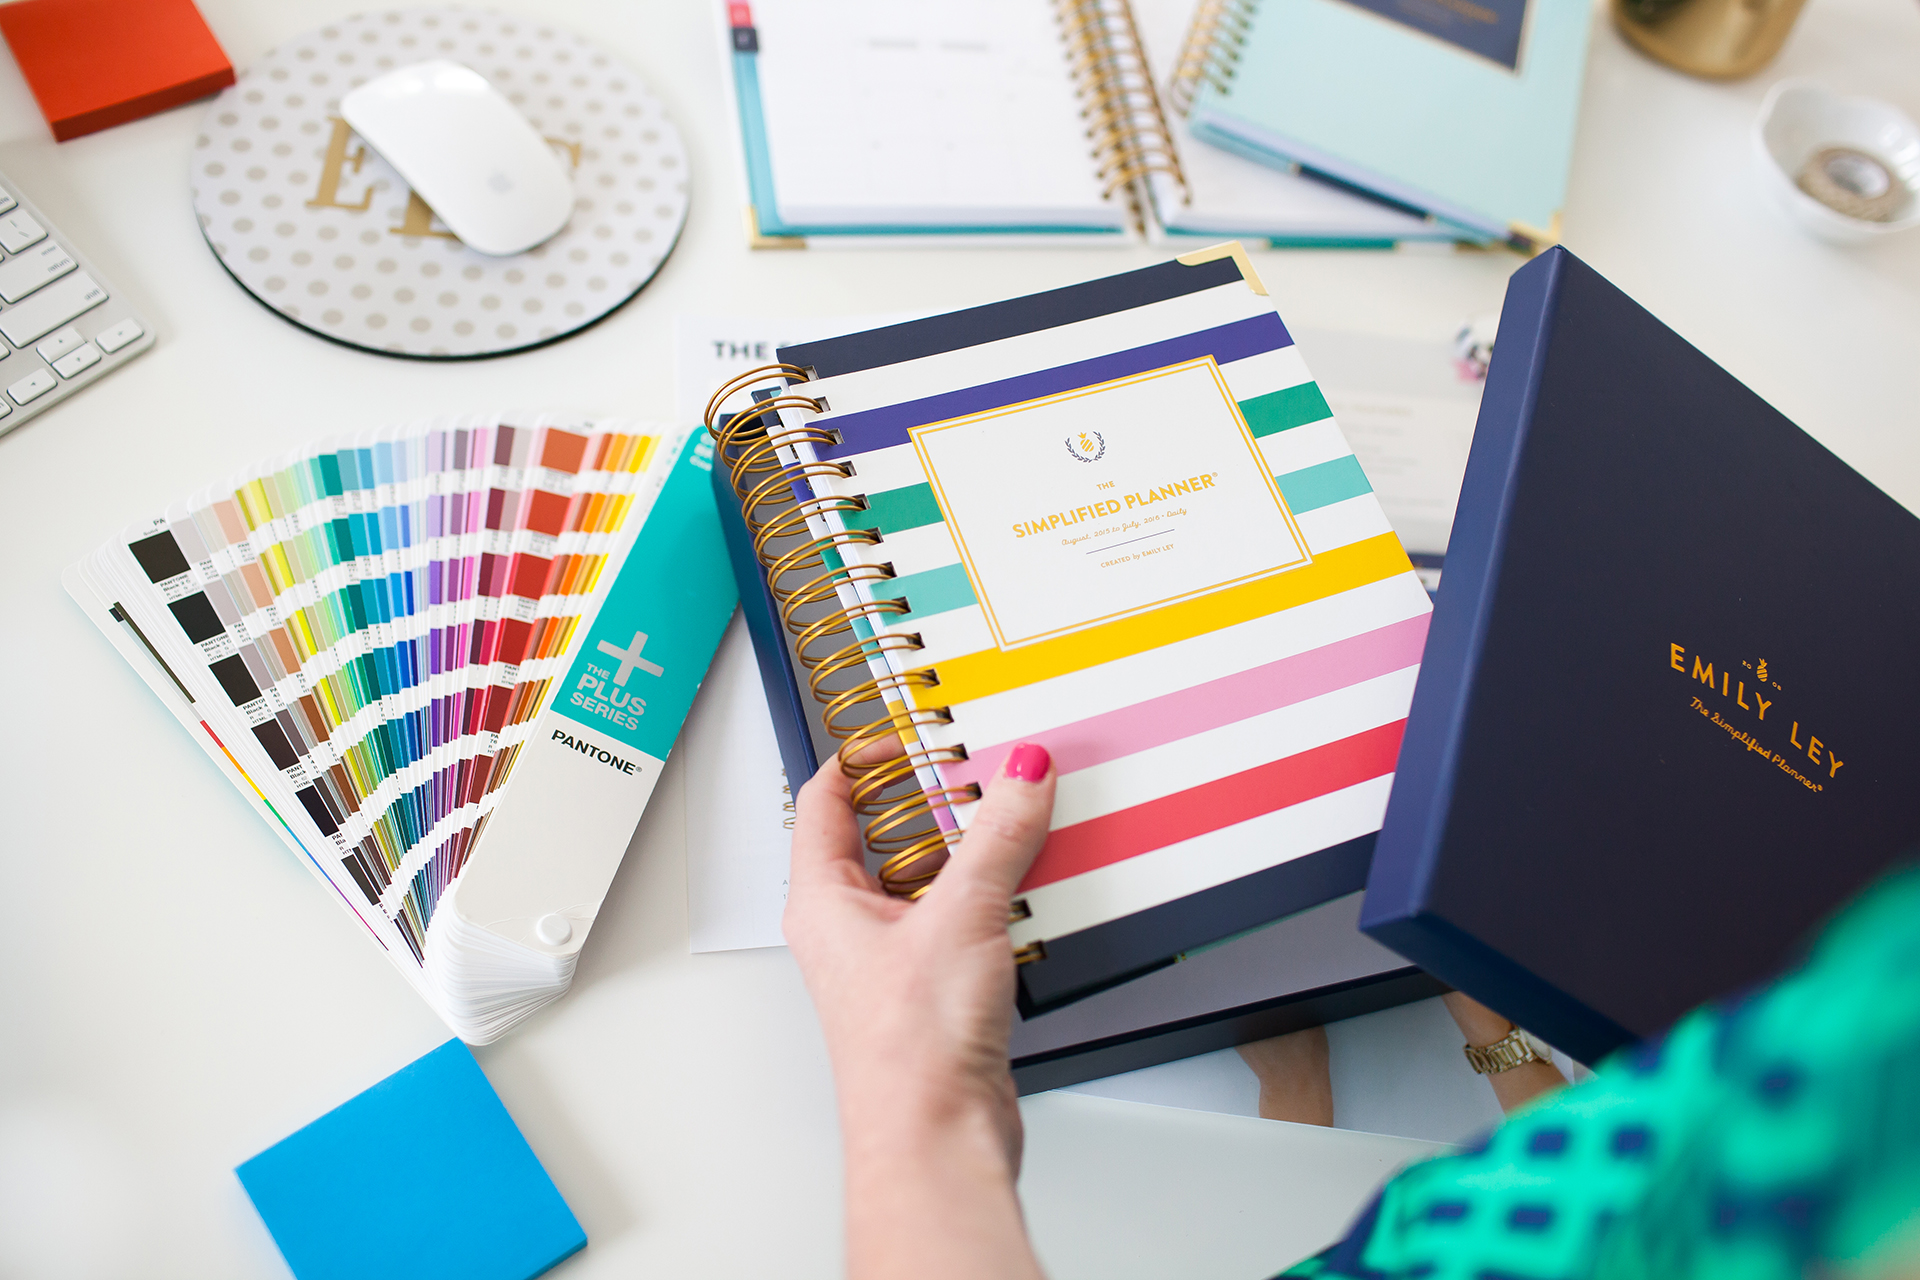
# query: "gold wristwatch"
x,y
1511,1050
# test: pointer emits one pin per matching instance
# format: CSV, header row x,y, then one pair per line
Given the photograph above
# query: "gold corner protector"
x,y
1531,240
1231,249
757,241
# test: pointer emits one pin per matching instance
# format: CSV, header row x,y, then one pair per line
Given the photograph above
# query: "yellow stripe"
x,y
990,671
642,454
279,572
302,632
323,694
253,503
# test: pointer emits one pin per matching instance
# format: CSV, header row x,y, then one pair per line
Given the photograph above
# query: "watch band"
x,y
1511,1050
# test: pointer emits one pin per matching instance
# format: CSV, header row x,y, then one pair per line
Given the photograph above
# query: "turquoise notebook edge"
x,y
1447,231
1322,111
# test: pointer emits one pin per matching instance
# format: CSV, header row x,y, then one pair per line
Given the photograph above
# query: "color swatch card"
x,y
1120,520
496,1214
447,663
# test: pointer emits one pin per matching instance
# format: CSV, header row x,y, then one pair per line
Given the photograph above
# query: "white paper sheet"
x,y
1408,413
739,807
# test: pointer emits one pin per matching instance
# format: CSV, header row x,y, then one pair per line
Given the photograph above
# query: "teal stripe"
x,y
1324,484
911,507
1285,409
928,593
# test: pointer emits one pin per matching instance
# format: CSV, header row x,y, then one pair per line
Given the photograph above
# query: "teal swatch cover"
x,y
662,618
1465,112
478,1206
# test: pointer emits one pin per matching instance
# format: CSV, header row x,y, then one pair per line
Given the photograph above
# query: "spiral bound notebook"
x,y
871,122
979,529
446,663
1462,112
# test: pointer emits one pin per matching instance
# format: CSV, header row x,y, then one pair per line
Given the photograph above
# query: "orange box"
x,y
93,64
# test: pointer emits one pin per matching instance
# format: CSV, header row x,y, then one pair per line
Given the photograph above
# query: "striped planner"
x,y
446,663
1117,519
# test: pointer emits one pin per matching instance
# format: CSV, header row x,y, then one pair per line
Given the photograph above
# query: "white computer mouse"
x,y
467,152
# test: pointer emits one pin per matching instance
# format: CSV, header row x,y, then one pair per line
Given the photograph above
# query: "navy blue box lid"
x,y
1669,712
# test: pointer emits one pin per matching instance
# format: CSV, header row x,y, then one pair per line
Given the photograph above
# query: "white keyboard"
x,y
63,329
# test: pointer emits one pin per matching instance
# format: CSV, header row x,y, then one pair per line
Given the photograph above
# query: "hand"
x,y
1481,1026
1295,1071
916,1002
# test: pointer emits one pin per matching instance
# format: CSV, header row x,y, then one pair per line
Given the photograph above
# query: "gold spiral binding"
x,y
1126,129
805,575
1211,54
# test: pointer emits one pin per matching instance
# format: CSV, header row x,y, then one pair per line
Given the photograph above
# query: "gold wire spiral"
x,y
805,575
1125,128
1211,54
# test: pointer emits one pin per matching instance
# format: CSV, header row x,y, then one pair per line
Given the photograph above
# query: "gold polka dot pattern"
x,y
316,225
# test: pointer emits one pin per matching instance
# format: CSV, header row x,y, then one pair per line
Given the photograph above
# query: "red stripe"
x,y
1115,837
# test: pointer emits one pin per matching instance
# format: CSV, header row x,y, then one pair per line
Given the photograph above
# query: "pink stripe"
x,y
1208,706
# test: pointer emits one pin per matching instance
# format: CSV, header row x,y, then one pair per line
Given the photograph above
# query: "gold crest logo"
x,y
1087,446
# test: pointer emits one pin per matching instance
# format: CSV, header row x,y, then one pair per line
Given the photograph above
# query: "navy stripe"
x,y
1011,318
888,424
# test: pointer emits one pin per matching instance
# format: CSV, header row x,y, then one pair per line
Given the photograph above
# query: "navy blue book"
x,y
1665,719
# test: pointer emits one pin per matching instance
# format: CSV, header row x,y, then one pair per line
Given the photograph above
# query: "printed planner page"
x,y
925,115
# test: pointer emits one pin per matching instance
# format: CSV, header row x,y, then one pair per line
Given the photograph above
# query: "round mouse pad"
x,y
318,227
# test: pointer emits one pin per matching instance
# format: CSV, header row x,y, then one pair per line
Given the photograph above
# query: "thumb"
x,y
1006,832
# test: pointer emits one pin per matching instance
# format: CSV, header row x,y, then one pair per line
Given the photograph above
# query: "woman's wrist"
x,y
945,1172
898,1114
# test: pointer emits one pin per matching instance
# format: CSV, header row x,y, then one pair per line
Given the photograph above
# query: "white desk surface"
x,y
178,994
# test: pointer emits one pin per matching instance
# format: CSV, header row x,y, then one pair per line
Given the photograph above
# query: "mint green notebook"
x,y
1461,109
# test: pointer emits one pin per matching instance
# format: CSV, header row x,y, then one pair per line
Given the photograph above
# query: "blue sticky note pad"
x,y
423,1176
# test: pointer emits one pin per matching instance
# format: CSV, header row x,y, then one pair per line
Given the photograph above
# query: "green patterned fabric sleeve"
x,y
1772,1136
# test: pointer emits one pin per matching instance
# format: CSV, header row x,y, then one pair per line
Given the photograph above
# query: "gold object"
x,y
1211,54
418,219
1514,1049
1715,39
757,241
333,167
1852,182
1125,128
804,573
1231,249
1533,240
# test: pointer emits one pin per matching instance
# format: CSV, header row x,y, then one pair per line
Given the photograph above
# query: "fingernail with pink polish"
x,y
1028,762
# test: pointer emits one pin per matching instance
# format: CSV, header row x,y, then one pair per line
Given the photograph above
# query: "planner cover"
x,y
1665,721
446,663
1464,112
496,1214
985,527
